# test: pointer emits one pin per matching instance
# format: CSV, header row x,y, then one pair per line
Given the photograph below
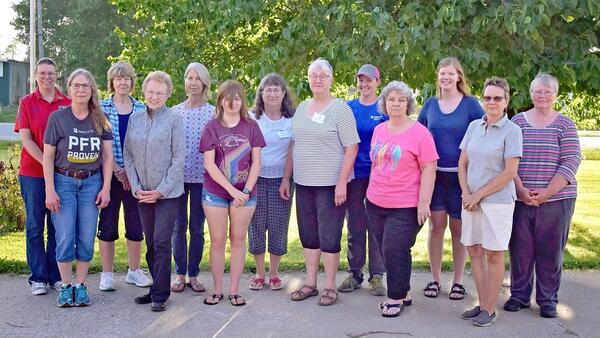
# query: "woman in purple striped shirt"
x,y
546,191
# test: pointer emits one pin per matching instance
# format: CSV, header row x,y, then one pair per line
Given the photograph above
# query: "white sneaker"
x,y
138,277
107,282
38,288
57,286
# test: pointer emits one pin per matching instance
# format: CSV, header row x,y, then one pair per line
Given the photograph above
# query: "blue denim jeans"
x,y
41,257
187,260
76,220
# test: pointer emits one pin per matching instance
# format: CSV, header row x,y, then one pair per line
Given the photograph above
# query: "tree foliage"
x,y
77,33
245,40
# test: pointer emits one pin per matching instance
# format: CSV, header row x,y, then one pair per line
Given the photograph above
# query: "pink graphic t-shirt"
x,y
396,159
233,153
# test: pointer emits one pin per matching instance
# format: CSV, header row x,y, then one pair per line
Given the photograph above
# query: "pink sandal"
x,y
256,283
275,283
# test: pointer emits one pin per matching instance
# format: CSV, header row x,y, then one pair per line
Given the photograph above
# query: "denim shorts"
x,y
213,200
447,195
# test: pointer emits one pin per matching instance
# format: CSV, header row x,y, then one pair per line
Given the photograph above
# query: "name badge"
x,y
318,118
284,133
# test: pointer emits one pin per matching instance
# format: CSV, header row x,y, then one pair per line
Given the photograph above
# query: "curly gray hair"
x,y
403,89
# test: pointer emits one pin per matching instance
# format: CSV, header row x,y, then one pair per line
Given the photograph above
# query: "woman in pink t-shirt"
x,y
400,186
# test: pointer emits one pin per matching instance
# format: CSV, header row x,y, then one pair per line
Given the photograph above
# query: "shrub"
x,y
12,209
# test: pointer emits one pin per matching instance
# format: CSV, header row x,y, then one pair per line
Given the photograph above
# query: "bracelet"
x,y
246,191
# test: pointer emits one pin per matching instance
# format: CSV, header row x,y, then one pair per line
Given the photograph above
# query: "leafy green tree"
x,y
247,39
77,33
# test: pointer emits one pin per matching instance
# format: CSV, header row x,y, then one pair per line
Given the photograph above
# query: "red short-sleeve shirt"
x,y
33,115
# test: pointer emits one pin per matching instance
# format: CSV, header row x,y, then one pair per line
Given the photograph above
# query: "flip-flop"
x,y
256,283
302,295
275,283
178,286
196,286
214,296
237,300
388,306
407,302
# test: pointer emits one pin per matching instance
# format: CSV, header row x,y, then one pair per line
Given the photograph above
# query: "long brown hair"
x,y
287,105
227,91
99,120
462,85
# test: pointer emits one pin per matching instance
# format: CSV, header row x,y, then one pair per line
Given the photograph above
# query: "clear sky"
x,y
7,31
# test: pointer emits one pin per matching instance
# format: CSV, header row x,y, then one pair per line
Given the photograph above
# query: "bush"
x,y
591,153
12,209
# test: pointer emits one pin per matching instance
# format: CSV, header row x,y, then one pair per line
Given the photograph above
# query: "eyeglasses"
x,y
150,94
272,91
543,93
46,74
493,98
322,77
78,86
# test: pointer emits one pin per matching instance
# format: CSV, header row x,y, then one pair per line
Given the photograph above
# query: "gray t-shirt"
x,y
78,146
319,143
487,148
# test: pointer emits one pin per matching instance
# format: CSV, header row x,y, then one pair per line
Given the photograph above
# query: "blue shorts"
x,y
447,195
213,200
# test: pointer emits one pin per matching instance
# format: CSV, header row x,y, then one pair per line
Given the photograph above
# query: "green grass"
x,y
8,113
583,249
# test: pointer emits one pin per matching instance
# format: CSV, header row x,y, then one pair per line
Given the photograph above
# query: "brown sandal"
x,y
196,286
178,286
326,299
302,295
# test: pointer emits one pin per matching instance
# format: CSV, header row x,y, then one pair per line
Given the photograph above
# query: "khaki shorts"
x,y
490,226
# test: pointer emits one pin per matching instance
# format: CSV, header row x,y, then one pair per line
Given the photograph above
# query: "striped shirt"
x,y
320,141
110,110
549,151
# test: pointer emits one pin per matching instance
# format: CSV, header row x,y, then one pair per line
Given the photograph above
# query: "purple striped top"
x,y
548,151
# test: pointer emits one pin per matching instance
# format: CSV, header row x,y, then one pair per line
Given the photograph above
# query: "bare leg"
x,y
479,270
81,271
459,251
259,260
217,228
66,272
240,220
435,244
134,250
311,259
274,261
495,274
107,255
331,261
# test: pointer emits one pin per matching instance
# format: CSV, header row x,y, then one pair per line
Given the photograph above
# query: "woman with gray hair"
x,y
546,193
324,146
196,112
154,156
118,108
400,187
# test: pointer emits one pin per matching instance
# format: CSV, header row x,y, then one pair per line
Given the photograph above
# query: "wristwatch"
x,y
246,191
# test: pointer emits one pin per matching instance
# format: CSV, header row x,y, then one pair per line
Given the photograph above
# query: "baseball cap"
x,y
370,71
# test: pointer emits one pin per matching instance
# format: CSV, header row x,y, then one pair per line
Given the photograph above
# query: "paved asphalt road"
x,y
272,314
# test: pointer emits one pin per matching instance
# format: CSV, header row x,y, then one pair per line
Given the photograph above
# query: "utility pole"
x,y
40,37
32,58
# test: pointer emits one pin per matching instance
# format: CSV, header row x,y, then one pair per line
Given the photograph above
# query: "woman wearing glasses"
x,y
447,116
273,111
154,156
324,147
546,192
78,165
489,158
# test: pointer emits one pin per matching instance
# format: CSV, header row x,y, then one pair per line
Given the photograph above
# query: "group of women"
x,y
499,183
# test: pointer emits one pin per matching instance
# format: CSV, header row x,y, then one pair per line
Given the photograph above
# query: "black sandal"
x,y
432,287
237,300
387,306
457,289
214,297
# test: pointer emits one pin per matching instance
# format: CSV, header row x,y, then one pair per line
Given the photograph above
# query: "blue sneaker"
x,y
81,296
65,296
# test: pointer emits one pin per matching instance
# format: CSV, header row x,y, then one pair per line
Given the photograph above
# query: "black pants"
x,y
396,231
158,220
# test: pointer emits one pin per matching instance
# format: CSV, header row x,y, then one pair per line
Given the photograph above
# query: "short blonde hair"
x,y
202,72
159,76
120,68
545,80
404,90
